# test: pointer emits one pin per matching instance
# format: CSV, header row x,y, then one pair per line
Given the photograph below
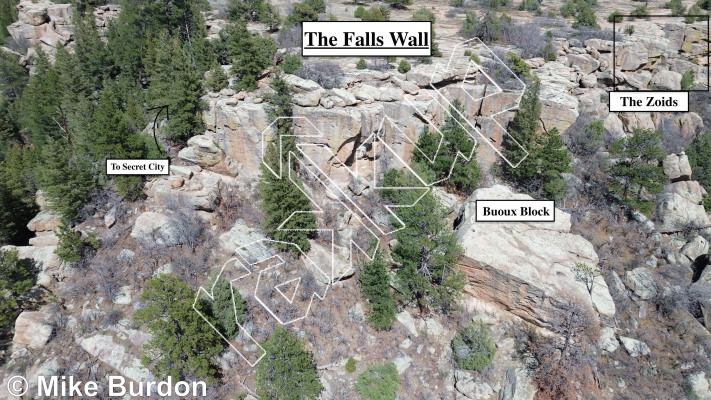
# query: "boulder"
x,y
517,385
44,239
308,99
634,347
676,213
202,150
110,217
301,85
157,229
241,235
690,190
51,270
405,318
526,268
32,329
107,349
630,57
677,167
608,339
585,62
470,387
44,221
666,80
347,97
696,247
641,282
60,14
699,385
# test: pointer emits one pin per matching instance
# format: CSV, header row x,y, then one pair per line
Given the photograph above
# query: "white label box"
x,y
367,39
515,211
120,166
649,101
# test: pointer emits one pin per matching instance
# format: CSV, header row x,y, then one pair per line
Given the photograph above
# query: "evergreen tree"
x,y
40,103
287,370
13,77
463,176
110,136
17,277
699,154
70,247
17,190
249,54
472,347
8,15
226,310
67,180
182,345
399,3
638,166
426,248
375,285
281,197
302,12
176,82
92,56
553,160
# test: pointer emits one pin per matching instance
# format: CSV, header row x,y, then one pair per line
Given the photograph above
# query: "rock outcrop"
x,y
43,24
526,268
32,329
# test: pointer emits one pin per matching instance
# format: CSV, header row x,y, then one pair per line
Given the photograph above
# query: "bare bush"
x,y
565,364
526,37
328,74
291,37
379,64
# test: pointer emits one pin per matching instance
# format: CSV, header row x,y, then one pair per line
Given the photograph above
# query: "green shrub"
x,y
359,12
292,63
468,53
699,153
707,204
472,347
629,29
687,80
615,16
217,80
375,285
403,67
70,247
549,53
518,64
529,5
456,3
379,382
641,11
350,365
361,64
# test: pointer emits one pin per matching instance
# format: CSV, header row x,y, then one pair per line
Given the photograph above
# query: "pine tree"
x,y
176,82
90,51
463,176
17,192
426,248
110,136
17,277
182,344
225,310
40,103
248,53
638,166
8,15
282,199
70,247
287,371
375,285
67,180
553,162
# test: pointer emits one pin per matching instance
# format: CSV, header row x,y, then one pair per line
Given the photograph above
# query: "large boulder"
x,y
32,329
690,190
44,221
585,62
113,353
51,270
676,213
677,167
666,80
526,268
156,229
642,283
517,385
